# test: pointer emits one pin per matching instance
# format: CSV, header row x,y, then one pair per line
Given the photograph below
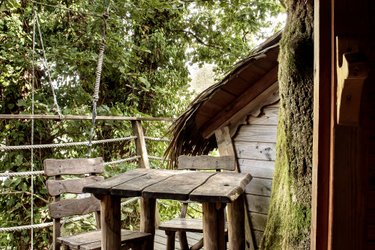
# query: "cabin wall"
x,y
254,144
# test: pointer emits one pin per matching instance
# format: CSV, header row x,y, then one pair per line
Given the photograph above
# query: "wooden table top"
x,y
174,184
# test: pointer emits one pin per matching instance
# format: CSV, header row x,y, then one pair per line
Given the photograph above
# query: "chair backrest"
x,y
206,162
69,176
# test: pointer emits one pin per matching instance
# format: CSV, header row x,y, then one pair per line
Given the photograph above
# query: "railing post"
x,y
140,144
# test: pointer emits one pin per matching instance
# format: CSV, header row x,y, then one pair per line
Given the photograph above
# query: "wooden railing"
x,y
138,135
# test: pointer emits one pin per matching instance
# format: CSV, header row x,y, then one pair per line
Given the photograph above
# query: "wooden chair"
x,y
57,185
182,224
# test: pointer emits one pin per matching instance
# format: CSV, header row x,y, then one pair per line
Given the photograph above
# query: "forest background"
x,y
54,45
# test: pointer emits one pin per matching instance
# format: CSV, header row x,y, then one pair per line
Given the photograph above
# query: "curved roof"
x,y
215,107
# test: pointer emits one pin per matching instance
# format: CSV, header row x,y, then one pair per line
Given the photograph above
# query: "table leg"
x,y
110,219
148,207
213,226
236,224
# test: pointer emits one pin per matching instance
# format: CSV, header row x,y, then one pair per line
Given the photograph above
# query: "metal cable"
x,y
32,133
68,9
56,104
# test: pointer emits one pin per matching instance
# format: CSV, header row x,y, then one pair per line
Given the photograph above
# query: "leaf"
x,y
144,81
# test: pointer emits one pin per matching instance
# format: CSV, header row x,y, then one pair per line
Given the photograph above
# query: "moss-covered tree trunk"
x,y
288,225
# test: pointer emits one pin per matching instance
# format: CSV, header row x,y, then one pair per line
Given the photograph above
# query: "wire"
x,y
32,133
56,104
68,9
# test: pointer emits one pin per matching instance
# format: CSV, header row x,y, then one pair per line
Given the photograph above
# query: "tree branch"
x,y
200,40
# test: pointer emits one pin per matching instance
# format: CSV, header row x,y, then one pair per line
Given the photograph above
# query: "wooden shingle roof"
x,y
215,107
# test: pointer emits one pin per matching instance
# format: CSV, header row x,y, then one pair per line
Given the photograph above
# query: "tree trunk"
x,y
288,225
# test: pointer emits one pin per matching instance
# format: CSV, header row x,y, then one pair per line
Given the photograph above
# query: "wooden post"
x,y
171,235
213,226
340,160
236,224
56,223
226,147
140,144
148,208
322,135
110,222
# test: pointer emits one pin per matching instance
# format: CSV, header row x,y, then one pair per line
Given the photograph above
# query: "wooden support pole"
x,y
140,144
110,222
322,131
236,224
213,226
148,208
226,147
56,223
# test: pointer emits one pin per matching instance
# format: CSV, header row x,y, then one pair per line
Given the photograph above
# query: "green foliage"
x,y
148,46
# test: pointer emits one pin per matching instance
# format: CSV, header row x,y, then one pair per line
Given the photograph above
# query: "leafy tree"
x,y
148,46
288,225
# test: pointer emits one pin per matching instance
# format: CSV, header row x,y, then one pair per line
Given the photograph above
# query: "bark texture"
x,y
288,225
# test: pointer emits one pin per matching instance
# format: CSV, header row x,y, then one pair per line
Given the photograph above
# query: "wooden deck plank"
x,y
177,187
161,240
135,186
192,225
231,188
105,186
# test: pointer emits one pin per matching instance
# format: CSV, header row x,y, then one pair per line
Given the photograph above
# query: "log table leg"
x,y
148,207
110,222
236,224
213,226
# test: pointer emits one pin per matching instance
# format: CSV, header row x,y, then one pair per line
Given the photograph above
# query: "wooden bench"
x,y
182,225
58,185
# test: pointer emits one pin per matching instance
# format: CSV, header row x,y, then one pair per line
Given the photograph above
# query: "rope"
x,y
19,174
56,105
122,160
49,224
97,81
156,158
157,139
32,173
67,144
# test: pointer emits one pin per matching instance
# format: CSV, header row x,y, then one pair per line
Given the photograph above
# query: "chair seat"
x,y
92,240
184,224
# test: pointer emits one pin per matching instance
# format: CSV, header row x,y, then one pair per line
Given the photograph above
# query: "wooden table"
x,y
214,190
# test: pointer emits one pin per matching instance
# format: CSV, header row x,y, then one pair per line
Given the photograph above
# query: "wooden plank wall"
x,y
255,148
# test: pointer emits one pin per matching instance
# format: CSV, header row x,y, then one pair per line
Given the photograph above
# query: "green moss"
x,y
289,217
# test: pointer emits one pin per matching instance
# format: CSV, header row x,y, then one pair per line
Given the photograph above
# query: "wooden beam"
x,y
148,212
340,153
213,226
239,103
80,117
236,225
140,144
322,134
110,222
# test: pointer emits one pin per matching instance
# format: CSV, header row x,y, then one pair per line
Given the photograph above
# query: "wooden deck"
x,y
161,240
